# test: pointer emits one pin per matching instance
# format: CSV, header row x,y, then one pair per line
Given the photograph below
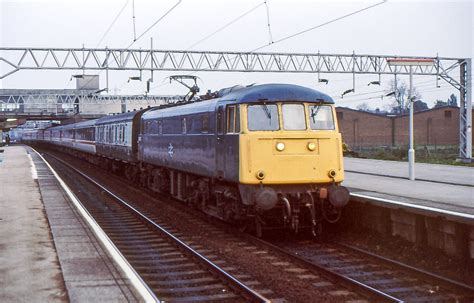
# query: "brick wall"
x,y
362,129
439,126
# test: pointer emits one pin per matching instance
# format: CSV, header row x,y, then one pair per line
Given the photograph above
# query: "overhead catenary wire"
x,y
415,85
321,25
226,25
154,24
270,36
219,30
381,97
133,20
113,23
311,28
105,34
147,30
427,89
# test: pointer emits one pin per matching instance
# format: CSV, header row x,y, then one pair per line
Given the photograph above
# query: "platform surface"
x,y
446,187
29,267
47,251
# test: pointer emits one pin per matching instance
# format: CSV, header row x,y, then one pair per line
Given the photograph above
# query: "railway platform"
x,y
47,251
436,210
445,187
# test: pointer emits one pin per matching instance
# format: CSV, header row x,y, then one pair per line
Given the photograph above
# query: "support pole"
x,y
465,112
107,71
411,151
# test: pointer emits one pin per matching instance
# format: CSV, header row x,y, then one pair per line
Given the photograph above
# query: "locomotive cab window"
x,y
321,117
233,120
263,117
293,117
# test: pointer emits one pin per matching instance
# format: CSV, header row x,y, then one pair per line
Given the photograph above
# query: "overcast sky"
x,y
421,28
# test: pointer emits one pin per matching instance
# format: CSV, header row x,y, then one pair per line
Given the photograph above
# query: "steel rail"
x,y
233,282
416,270
370,291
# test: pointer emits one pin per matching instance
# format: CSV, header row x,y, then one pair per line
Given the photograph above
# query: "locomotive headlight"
x,y
280,146
311,146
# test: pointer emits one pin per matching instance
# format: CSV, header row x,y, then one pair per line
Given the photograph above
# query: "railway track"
x,y
172,269
265,269
393,280
344,267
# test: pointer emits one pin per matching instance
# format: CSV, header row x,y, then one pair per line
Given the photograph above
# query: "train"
x,y
261,156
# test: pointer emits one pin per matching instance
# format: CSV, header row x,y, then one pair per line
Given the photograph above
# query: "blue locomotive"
x,y
263,156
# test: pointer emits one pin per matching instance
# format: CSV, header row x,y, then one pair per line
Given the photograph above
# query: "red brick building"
x,y
437,126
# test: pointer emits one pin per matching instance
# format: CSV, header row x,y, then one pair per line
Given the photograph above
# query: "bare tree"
x,y
400,95
364,107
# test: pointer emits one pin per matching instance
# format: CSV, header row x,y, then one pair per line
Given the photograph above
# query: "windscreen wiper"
x,y
315,113
267,111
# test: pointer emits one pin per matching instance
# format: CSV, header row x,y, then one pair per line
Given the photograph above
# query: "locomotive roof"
x,y
276,92
181,109
240,94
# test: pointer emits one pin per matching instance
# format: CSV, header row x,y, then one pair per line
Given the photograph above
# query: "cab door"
x,y
220,142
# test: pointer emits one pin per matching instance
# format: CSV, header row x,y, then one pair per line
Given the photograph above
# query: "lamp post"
x,y
410,63
411,150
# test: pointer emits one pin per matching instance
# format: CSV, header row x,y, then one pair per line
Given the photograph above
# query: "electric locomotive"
x,y
263,156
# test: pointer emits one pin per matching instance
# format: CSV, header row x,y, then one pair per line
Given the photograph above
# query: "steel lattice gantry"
x,y
176,60
71,99
16,59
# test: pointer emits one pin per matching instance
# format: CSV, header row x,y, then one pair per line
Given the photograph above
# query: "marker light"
x,y
311,146
280,146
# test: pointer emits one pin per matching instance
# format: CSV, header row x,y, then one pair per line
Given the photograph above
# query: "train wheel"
x,y
330,213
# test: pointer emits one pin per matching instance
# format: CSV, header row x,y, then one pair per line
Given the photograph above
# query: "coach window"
x,y
263,117
320,117
189,125
183,125
293,117
205,123
160,127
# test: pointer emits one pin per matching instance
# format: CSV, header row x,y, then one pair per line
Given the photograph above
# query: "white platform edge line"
x,y
34,172
443,211
131,274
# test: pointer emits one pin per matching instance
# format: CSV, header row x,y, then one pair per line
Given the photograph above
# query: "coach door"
x,y
220,141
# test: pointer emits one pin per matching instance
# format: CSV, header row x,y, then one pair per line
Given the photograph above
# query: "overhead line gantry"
x,y
28,58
